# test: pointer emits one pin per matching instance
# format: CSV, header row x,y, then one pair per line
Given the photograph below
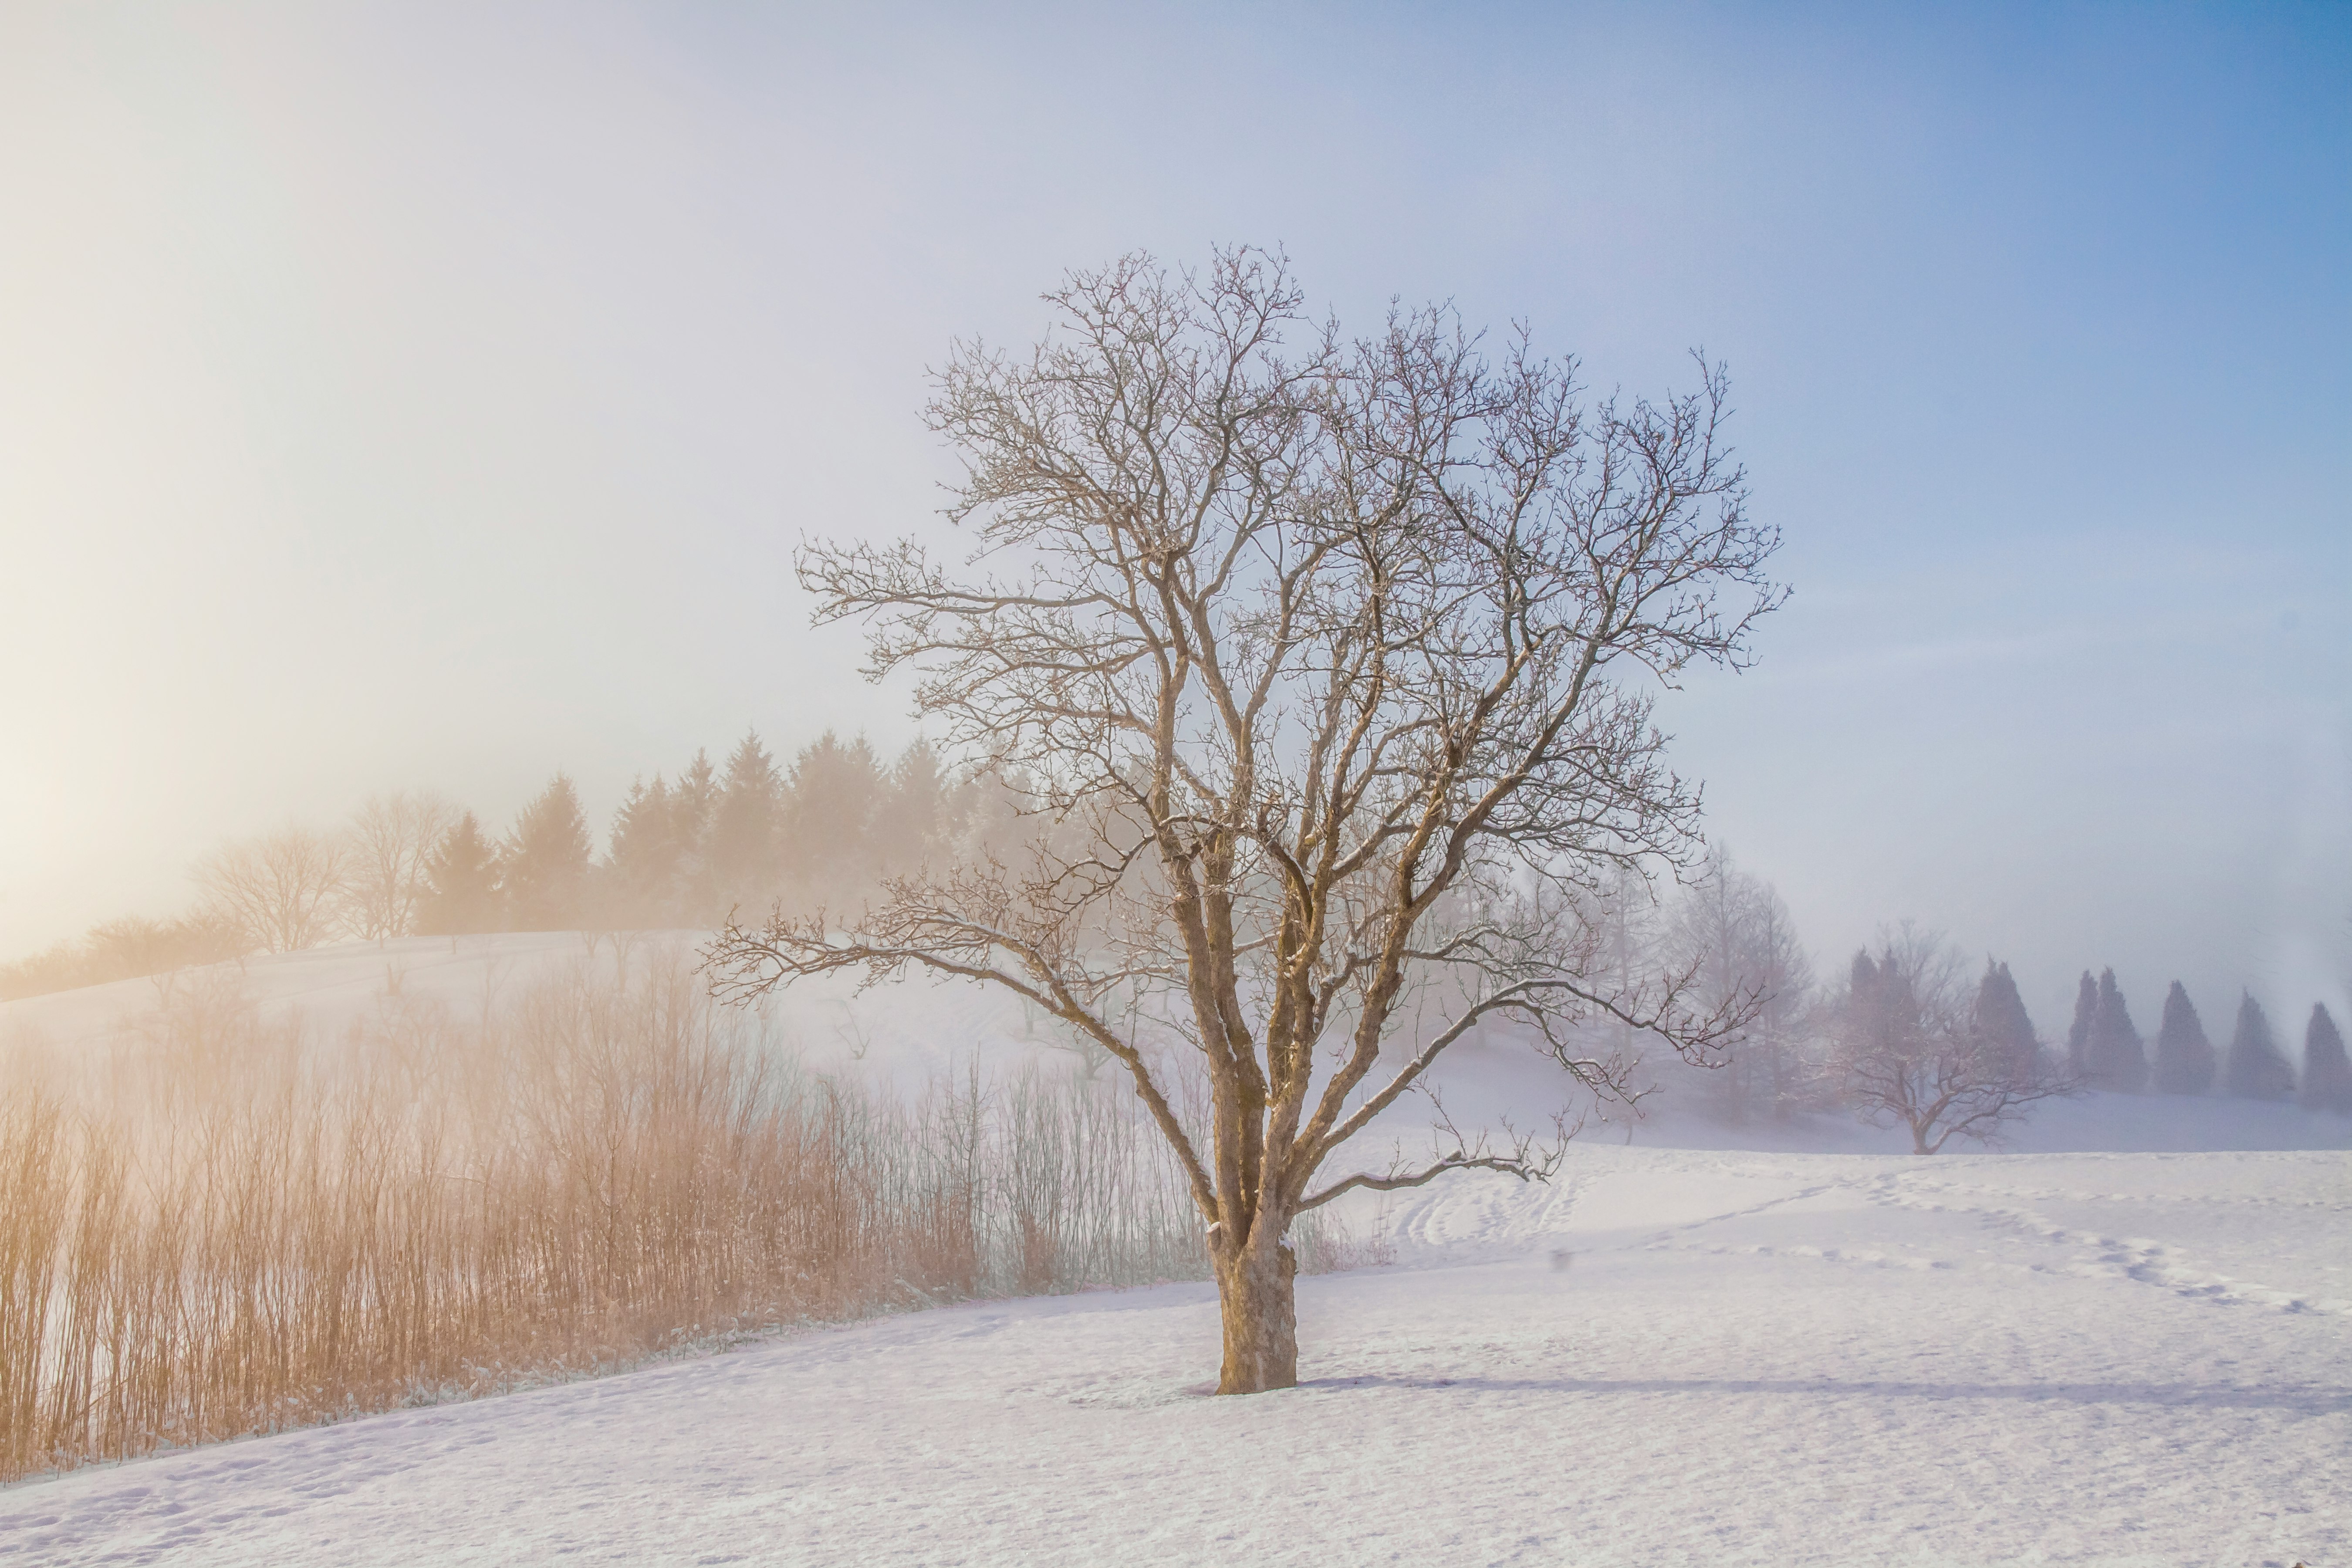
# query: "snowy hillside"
x,y
1676,1353
1671,1357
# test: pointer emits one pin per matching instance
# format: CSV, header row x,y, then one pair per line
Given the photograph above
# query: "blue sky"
x,y
431,395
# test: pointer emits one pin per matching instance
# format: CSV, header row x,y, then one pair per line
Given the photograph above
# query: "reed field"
x,y
240,1223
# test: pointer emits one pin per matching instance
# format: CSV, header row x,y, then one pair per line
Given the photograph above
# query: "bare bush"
x,y
125,949
244,1226
284,889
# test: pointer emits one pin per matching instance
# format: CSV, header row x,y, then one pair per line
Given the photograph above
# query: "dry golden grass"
x,y
239,1227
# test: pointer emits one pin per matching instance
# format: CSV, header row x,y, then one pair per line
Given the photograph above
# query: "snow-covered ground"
x,y
1673,1355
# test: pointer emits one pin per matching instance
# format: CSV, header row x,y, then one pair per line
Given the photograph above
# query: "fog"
x,y
1719,821
411,396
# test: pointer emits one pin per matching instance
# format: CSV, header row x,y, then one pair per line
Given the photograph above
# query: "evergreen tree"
x,y
2184,1057
693,803
2001,1021
2257,1069
2078,1032
1870,1013
747,827
644,867
921,814
461,895
2113,1056
547,861
836,788
2326,1073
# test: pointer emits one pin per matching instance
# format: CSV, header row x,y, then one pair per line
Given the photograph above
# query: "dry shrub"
x,y
1326,1243
236,1226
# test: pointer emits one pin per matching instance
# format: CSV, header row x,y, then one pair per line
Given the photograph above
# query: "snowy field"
x,y
1672,1355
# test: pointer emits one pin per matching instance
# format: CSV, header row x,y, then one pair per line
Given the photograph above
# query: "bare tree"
x,y
1339,656
1735,937
1629,943
390,841
1907,1049
284,889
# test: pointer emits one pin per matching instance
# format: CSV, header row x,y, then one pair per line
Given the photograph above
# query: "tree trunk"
x,y
1257,1298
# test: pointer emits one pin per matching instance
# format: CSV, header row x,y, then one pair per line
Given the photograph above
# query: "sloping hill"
x,y
2130,1339
1672,1356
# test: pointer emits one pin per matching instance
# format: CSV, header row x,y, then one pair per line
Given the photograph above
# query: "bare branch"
x,y
1345,652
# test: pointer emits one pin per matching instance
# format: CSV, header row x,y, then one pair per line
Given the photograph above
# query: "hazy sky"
x,y
418,394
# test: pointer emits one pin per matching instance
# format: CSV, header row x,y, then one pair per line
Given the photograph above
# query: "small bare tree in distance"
x,y
1908,1050
390,841
284,889
1338,656
1733,936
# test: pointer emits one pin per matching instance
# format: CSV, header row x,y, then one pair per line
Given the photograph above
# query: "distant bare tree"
x,y
1907,1051
1733,934
1630,937
390,841
284,889
1338,660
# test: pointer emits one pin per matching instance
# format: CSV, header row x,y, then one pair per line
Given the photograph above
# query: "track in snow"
x,y
1747,1358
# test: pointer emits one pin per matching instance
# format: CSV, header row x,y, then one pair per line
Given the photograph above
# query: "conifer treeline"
x,y
2107,1052
684,852
2104,1051
1730,935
